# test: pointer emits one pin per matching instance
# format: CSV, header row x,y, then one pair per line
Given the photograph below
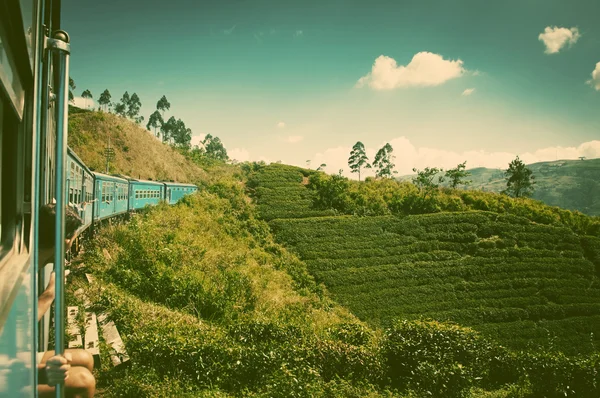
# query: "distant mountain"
x,y
569,184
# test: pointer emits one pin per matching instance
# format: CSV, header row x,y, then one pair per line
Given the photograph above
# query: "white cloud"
x,y
425,69
298,33
407,157
197,140
293,139
280,125
595,80
239,154
555,38
468,91
84,103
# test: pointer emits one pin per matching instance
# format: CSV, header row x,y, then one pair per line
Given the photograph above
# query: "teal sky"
x,y
236,69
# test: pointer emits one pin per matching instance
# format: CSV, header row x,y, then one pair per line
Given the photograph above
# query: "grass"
x,y
138,153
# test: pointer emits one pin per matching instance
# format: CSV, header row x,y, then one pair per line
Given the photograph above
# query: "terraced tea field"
x,y
525,284
279,193
516,281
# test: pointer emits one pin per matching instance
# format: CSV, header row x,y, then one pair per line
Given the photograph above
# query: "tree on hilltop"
x,y
155,121
182,136
167,128
163,105
133,106
458,174
519,179
383,162
72,87
358,159
104,99
214,148
87,94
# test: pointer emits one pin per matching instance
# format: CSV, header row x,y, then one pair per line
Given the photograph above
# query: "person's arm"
x,y
45,300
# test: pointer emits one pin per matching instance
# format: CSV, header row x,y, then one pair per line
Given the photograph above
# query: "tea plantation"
x,y
526,285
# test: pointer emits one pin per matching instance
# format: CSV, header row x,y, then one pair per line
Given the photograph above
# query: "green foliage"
x,y
133,106
163,105
331,191
519,179
358,159
155,121
104,99
457,175
213,148
383,162
434,359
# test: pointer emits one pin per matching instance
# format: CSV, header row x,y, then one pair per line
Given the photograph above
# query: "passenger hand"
x,y
57,369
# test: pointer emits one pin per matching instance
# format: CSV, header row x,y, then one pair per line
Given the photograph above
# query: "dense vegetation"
x,y
570,184
208,304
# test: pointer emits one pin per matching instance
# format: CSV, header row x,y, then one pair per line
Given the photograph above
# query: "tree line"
x,y
172,131
519,178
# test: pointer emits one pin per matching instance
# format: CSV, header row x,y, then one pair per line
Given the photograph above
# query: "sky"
x,y
295,81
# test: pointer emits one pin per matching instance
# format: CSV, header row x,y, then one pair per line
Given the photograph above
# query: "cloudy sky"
x,y
441,81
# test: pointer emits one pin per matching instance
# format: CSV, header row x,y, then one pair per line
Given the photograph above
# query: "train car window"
x,y
28,15
8,75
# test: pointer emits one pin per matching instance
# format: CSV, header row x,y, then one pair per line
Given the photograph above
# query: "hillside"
x,y
209,305
138,153
569,184
515,280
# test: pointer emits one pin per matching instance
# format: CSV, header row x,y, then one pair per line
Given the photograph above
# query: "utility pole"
x,y
110,154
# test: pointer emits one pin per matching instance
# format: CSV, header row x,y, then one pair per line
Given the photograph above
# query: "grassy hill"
x,y
209,305
138,153
570,184
519,282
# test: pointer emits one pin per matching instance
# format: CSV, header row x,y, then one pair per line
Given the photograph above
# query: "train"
x,y
38,168
97,196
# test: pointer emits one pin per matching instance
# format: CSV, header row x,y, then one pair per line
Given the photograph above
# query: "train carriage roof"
x,y
107,177
73,155
179,184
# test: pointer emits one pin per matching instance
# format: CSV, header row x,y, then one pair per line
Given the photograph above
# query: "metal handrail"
x,y
59,47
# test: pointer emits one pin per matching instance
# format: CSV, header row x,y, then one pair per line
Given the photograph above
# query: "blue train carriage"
x,y
110,196
27,172
175,191
80,188
144,192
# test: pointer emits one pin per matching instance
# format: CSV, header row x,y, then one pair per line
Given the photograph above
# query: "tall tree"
x,y
425,179
458,174
155,121
104,99
519,179
121,106
358,159
72,87
214,148
383,162
121,109
182,136
163,105
87,94
133,106
167,128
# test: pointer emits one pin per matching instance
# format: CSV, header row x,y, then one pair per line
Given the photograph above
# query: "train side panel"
x,y
176,191
144,193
